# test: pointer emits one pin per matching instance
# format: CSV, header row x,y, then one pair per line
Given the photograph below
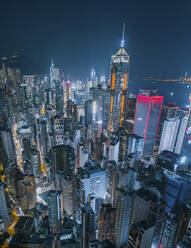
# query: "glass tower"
x,y
147,116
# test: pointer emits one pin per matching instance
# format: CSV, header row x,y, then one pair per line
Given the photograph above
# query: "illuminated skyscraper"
x,y
97,108
118,86
169,134
94,180
92,73
123,217
114,150
171,128
168,111
147,117
106,223
130,143
93,78
172,135
67,92
59,129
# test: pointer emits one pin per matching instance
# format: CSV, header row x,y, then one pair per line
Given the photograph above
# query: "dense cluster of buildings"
x,y
89,165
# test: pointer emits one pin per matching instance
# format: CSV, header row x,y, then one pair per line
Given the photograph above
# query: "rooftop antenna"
x,y
123,33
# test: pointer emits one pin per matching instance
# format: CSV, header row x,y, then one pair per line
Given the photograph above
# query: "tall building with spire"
x,y
118,86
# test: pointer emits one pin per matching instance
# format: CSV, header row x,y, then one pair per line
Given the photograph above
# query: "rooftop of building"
x,y
53,193
68,176
147,92
101,244
87,208
121,52
180,176
142,226
169,155
91,167
150,194
24,223
36,239
114,141
49,193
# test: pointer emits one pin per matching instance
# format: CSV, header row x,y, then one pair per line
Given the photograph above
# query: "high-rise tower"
x,y
118,86
4,212
147,117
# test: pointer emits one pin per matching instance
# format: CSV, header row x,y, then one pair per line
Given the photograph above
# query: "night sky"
x,y
81,34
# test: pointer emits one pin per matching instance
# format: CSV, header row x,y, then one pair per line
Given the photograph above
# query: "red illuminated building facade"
x,y
147,116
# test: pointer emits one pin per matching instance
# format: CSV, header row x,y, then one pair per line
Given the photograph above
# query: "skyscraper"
x,y
123,216
26,191
7,143
55,210
68,184
87,225
96,108
4,213
171,129
130,143
114,149
169,134
94,180
176,190
67,92
174,228
82,155
118,86
168,111
141,233
59,129
63,159
129,113
106,223
147,116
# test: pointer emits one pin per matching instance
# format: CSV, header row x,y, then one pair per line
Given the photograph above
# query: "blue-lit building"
x,y
171,161
94,180
177,190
